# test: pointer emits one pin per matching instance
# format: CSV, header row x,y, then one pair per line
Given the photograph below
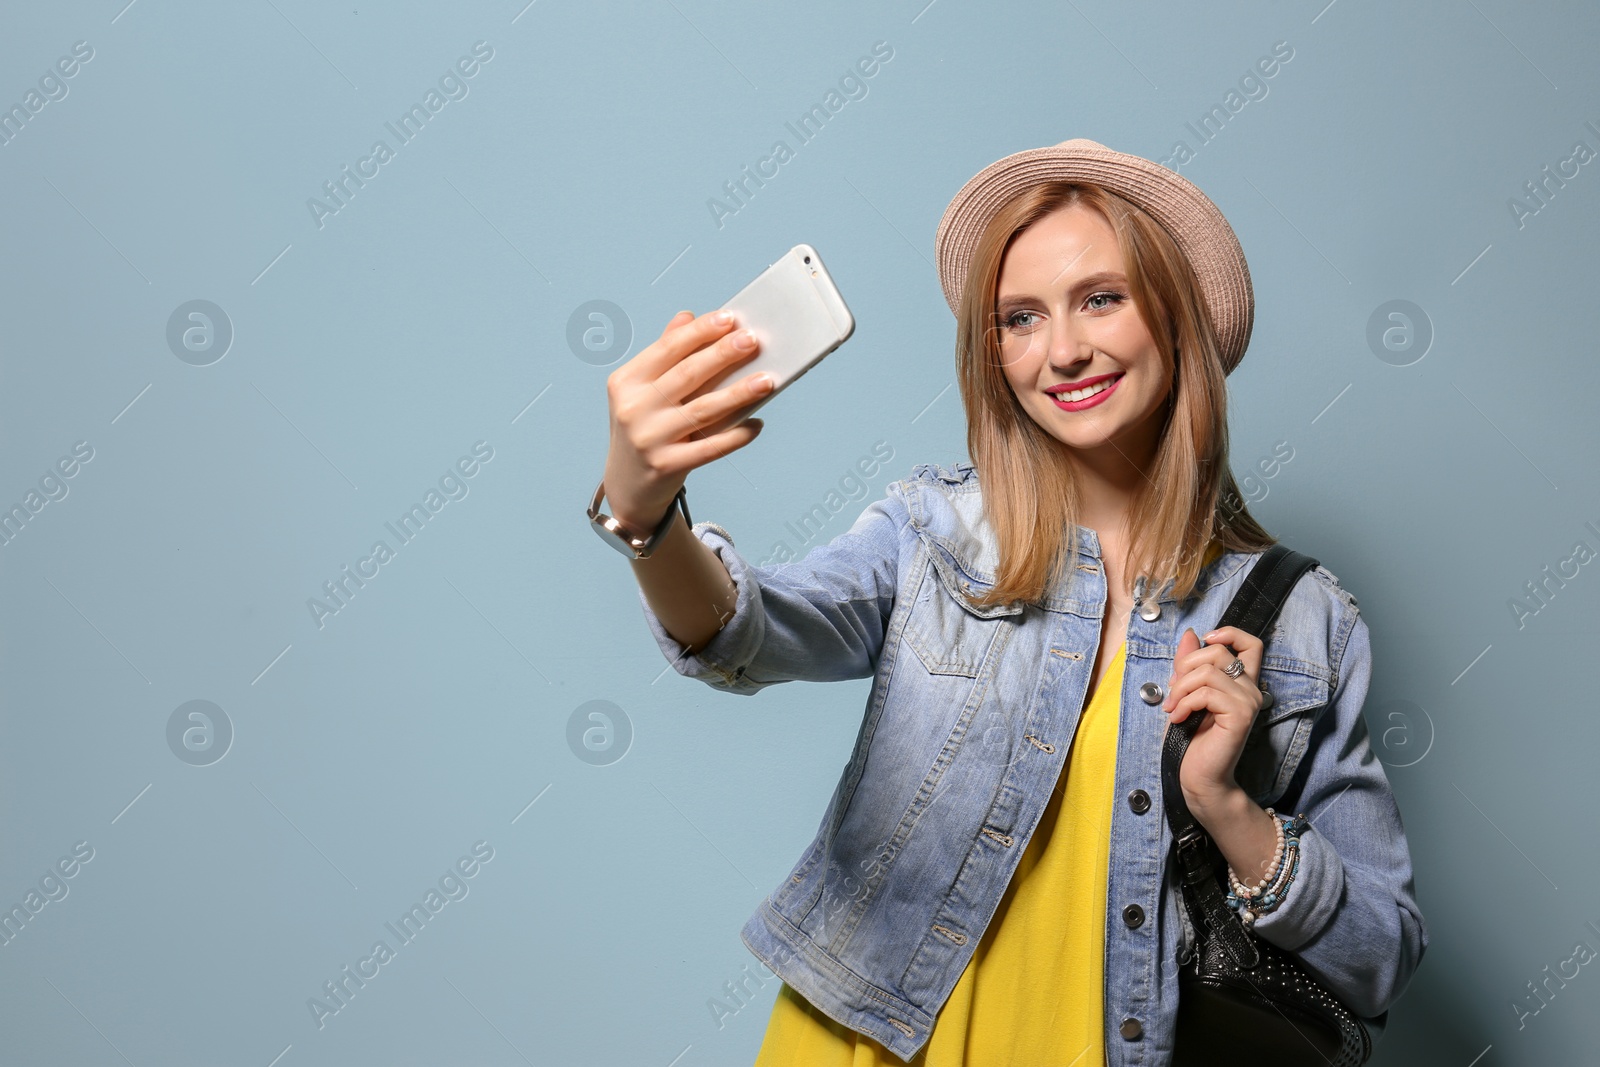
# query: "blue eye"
x,y
1014,320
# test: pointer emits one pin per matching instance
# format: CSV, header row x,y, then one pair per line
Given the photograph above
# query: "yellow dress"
x,y
1032,992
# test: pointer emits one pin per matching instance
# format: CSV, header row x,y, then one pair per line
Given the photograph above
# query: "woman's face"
x,y
1067,319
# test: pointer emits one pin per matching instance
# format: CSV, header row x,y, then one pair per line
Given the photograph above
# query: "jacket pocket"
x,y
948,635
1297,694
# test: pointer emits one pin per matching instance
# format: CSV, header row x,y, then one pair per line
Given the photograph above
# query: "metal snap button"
x,y
1131,1029
1139,801
1151,611
1152,693
1133,915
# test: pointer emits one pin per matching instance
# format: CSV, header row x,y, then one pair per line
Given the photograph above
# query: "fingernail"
x,y
722,317
744,339
763,382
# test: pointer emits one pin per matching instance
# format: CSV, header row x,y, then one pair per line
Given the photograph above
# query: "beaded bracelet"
x,y
1273,871
1286,833
1254,901
1273,896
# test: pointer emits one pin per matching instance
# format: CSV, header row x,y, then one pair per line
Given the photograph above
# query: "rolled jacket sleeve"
x,y
1351,914
1313,898
819,618
721,662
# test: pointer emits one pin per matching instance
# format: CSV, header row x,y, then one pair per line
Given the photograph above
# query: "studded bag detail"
x,y
1241,999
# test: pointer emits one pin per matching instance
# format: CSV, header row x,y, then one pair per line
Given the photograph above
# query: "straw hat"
x,y
1193,221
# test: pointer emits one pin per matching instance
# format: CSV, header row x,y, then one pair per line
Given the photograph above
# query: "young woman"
x,y
992,882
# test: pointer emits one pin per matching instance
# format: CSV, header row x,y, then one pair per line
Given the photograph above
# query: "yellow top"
x,y
1032,992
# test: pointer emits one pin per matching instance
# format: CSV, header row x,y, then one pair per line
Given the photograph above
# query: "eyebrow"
x,y
1101,277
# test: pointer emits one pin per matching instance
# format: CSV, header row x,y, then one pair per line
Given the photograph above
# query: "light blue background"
x,y
370,353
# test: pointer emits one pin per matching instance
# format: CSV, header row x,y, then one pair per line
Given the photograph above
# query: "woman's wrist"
x,y
635,500
1243,831
639,516
1218,802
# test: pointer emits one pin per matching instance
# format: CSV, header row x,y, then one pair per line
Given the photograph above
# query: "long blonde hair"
x,y
1189,496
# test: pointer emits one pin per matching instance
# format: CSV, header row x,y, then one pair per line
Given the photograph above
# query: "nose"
x,y
1068,347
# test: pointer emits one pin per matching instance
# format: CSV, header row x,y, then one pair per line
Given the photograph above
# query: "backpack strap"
x,y
1253,609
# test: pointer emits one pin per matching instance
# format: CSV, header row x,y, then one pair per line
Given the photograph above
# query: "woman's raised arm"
x,y
656,442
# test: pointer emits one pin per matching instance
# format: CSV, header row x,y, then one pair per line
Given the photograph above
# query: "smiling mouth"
x,y
1074,396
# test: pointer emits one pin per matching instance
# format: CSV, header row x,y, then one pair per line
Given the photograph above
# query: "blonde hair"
x,y
1189,497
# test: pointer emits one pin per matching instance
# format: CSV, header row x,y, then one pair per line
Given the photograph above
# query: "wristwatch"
x,y
626,541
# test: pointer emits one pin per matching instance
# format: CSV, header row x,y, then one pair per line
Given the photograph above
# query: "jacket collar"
x,y
948,513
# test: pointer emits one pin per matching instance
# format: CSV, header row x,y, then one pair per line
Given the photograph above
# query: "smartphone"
x,y
798,316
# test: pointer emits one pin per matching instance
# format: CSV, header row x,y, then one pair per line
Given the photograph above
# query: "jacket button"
x,y
1131,1029
1133,915
1139,801
1151,611
1151,693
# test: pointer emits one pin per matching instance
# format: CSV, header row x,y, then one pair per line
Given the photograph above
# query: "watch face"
x,y
615,534
614,538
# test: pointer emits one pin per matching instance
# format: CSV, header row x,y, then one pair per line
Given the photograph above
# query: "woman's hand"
x,y
1198,681
655,433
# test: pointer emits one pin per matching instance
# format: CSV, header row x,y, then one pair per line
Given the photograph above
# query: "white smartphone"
x,y
798,316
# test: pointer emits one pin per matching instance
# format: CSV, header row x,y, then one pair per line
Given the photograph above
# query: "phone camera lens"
x,y
808,259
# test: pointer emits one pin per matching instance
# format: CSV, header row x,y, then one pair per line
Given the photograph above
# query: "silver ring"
x,y
1234,669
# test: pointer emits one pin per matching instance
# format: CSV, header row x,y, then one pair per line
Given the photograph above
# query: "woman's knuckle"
x,y
633,405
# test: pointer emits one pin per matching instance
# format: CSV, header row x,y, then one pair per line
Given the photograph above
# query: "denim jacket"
x,y
966,729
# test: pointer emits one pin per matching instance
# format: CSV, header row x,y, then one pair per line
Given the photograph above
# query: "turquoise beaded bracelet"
x,y
1251,902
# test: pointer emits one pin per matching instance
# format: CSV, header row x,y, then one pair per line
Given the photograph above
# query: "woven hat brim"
x,y
1177,204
